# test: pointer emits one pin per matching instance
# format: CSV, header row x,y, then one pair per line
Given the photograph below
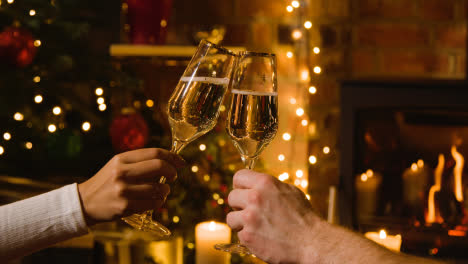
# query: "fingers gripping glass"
x,y
253,113
193,110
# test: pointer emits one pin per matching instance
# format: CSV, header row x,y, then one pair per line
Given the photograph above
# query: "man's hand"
x,y
128,183
274,219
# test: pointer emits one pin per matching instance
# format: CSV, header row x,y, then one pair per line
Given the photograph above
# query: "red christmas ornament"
x,y
148,20
128,131
17,46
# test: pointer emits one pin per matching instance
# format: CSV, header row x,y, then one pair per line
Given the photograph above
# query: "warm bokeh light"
x,y
289,54
163,23
299,112
304,183
304,122
99,91
296,34
194,168
316,50
295,4
6,136
215,196
38,99
305,75
312,159
414,167
37,79
206,177
52,128
308,24
100,100
287,136
2,150
10,1
175,219
18,116
28,145
308,197
222,142
312,90
281,157
299,173
317,69
283,176
37,43
86,126
289,8
202,147
222,108
149,103
292,100
102,107
326,150
56,110
369,173
220,201
32,12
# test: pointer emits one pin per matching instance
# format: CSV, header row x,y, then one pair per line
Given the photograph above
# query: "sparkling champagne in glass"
x,y
193,110
253,114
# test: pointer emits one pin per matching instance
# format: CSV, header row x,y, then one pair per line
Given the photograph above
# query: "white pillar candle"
x,y
207,234
381,238
367,193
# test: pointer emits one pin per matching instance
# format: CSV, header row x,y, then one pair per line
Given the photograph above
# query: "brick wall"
x,y
408,38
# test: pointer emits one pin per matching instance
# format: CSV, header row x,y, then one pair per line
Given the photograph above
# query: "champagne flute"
x,y
193,110
253,114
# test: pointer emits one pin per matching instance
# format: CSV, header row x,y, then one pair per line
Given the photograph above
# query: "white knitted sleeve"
x,y
41,221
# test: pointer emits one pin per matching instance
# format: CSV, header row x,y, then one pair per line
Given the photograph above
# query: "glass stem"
x,y
249,162
177,146
145,217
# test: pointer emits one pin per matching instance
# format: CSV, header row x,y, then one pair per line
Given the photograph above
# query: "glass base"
x,y
234,248
143,224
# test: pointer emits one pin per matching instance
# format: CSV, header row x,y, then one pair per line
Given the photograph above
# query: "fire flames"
x,y
433,214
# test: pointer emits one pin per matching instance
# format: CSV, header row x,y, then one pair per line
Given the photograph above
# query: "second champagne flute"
x,y
253,114
193,110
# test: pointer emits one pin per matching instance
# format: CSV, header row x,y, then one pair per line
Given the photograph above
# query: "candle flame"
x,y
364,177
431,213
212,226
382,234
457,172
420,163
414,167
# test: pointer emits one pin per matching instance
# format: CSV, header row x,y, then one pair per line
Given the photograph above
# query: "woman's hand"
x,y
128,184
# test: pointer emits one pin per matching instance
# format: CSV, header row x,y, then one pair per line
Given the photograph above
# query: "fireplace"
x,y
403,150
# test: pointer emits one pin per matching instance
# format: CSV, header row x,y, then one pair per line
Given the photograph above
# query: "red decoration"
x,y
128,131
17,46
148,20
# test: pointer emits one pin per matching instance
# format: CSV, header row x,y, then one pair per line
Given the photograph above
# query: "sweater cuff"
x,y
75,214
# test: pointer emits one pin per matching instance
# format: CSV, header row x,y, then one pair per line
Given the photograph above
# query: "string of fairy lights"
x,y
302,50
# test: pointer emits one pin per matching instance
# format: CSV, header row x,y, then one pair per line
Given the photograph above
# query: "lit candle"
x,y
207,234
367,189
388,241
415,185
